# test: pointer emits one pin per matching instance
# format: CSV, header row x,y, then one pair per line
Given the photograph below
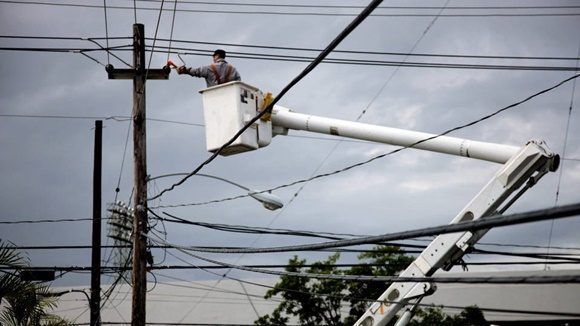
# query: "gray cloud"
x,y
46,165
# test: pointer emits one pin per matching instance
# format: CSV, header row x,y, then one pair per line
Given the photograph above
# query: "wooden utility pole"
x,y
140,180
95,302
139,74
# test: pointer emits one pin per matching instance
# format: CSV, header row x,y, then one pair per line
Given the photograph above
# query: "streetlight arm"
x,y
268,200
200,175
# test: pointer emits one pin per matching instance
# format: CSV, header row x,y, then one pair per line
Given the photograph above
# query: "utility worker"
x,y
218,72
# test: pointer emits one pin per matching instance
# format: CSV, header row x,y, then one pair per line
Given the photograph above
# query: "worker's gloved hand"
x,y
181,70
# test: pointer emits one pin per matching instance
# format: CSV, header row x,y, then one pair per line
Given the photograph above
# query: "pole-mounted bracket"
x,y
130,73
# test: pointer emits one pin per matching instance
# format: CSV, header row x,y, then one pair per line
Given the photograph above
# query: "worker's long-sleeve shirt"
x,y
224,72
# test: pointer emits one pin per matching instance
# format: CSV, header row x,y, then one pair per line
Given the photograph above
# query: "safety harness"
x,y
229,70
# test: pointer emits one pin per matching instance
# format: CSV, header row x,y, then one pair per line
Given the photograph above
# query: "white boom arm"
x,y
521,165
228,107
285,118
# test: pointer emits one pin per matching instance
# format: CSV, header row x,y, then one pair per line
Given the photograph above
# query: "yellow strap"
x,y
268,98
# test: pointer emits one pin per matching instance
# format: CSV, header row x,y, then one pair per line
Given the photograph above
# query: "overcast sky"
x,y
46,163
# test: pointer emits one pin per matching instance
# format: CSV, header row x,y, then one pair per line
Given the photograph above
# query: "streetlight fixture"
x,y
268,200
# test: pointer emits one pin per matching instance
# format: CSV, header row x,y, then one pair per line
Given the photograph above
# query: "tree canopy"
x,y
24,303
314,302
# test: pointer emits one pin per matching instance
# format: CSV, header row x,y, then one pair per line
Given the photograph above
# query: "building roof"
x,y
226,302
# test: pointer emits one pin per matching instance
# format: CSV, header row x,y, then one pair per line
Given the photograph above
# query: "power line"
x,y
480,224
46,221
535,255
62,50
121,118
172,25
172,323
337,144
486,117
361,62
366,52
106,30
241,4
301,49
288,13
333,44
350,298
555,256
118,118
221,227
93,59
347,168
65,38
201,286
379,63
285,58
571,278
327,235
561,172
115,269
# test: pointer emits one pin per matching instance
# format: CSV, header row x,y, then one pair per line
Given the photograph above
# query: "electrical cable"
x,y
287,13
561,172
258,230
571,278
93,59
333,44
310,67
559,257
108,51
118,189
361,52
64,50
374,158
65,38
287,58
135,11
201,286
175,295
301,49
525,246
341,236
107,294
172,25
337,144
344,297
154,282
479,224
250,300
46,221
106,30
240,4
174,324
154,41
118,118
115,269
567,257
377,63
